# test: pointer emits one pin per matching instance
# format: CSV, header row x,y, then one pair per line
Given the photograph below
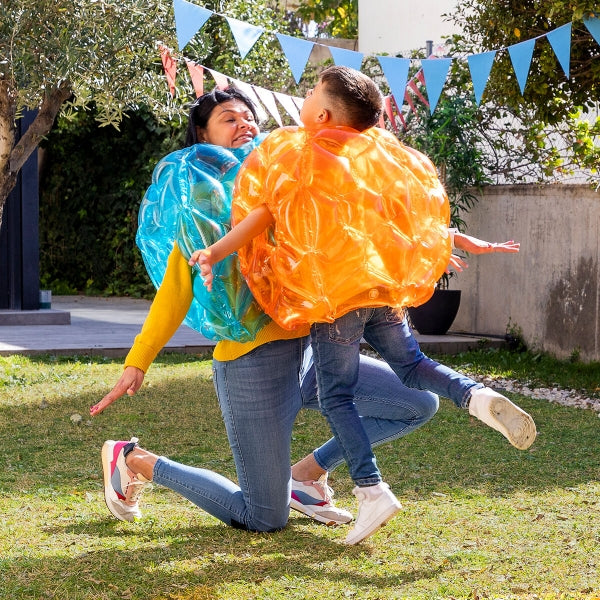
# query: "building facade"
x,y
399,26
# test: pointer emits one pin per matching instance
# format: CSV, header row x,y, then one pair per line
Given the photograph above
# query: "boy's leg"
x,y
389,334
336,357
388,410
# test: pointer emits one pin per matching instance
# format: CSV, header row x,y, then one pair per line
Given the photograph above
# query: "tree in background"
x,y
64,54
333,18
550,131
491,25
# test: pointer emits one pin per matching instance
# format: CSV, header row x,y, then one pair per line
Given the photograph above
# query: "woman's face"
x,y
231,125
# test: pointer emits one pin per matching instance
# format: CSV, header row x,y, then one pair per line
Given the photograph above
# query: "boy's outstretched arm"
x,y
244,232
474,245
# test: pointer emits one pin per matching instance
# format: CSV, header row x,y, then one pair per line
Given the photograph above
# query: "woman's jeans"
x,y
260,396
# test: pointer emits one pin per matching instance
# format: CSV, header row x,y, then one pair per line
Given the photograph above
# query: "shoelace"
x,y
327,492
135,487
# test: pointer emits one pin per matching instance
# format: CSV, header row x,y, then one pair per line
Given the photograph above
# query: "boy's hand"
x,y
202,259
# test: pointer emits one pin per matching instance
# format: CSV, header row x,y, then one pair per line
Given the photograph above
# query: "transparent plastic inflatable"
x,y
189,203
361,221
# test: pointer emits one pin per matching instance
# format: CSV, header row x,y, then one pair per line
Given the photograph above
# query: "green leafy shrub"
x,y
92,180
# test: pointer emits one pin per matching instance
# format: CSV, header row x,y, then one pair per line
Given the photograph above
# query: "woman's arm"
x,y
167,311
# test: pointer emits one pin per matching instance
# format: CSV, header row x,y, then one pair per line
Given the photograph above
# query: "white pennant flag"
x,y
249,91
298,102
267,99
287,103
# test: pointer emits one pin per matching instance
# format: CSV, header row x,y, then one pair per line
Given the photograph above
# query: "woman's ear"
x,y
199,135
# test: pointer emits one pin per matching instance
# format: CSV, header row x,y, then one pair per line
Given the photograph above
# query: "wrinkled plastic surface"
x,y
360,221
189,202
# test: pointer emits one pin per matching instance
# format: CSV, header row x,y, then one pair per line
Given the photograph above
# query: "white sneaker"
x,y
122,488
502,415
376,506
315,499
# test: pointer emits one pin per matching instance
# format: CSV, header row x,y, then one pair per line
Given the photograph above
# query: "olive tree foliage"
x,y
63,54
334,18
551,130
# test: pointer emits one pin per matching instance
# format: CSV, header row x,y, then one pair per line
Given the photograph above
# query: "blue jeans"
x,y
387,408
260,396
336,347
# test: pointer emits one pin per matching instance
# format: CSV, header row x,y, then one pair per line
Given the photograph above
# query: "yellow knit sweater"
x,y
170,305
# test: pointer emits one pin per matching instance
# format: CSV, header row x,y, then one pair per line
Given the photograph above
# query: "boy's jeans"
x,y
336,347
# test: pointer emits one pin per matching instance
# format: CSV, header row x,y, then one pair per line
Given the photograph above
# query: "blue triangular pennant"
x,y
245,35
435,71
396,73
560,40
593,26
189,19
346,58
296,51
520,55
480,66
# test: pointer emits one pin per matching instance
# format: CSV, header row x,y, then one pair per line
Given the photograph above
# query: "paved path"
x,y
107,327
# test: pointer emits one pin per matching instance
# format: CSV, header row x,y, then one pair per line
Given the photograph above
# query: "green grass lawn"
x,y
480,520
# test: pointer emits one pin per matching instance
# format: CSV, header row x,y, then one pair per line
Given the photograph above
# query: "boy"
x,y
360,228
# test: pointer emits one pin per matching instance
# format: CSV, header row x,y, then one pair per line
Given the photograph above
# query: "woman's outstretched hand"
x,y
129,383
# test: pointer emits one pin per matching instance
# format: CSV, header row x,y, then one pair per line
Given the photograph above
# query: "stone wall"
x,y
550,291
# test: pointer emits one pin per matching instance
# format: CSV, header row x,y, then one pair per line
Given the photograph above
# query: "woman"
x,y
259,391
258,388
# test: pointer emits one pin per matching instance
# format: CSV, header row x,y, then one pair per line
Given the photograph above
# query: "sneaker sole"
x,y
123,515
309,512
519,426
352,540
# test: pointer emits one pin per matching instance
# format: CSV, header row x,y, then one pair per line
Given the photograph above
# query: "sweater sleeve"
x,y
167,311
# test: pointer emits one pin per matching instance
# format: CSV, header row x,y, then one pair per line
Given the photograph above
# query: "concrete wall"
x,y
551,289
320,51
394,26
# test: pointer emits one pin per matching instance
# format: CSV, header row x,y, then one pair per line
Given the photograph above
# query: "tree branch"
x,y
40,126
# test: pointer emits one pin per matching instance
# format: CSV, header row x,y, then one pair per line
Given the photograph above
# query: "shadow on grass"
x,y
202,558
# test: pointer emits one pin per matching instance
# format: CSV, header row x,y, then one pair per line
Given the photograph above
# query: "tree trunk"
x,y
7,141
13,156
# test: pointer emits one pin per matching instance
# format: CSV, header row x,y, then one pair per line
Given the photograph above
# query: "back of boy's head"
x,y
357,99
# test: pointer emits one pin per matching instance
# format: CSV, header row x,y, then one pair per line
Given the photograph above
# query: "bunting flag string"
x,y
266,99
261,97
190,18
